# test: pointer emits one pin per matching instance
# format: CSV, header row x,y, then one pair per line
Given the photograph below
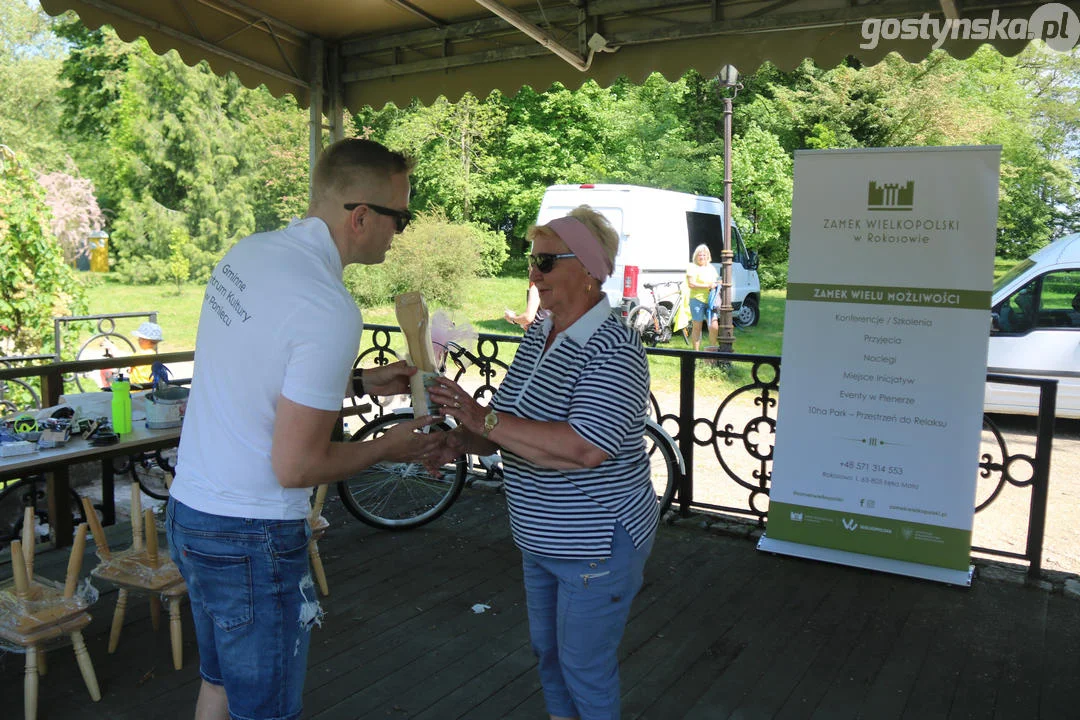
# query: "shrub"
x,y
140,235
493,252
36,284
773,276
433,256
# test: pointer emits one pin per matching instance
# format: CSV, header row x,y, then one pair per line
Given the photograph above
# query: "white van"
x,y
658,230
1036,329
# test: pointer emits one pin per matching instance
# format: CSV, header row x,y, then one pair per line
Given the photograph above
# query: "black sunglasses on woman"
x,y
544,262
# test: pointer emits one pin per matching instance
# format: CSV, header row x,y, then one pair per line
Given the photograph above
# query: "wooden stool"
x,y
36,611
319,524
140,568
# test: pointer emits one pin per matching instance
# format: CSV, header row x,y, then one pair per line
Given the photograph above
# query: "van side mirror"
x,y
751,260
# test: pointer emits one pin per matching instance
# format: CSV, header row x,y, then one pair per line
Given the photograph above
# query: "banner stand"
x,y
867,562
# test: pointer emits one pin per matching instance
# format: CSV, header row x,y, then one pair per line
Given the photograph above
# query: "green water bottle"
x,y
121,405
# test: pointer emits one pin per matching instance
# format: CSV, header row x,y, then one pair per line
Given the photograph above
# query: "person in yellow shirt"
x,y
149,336
701,277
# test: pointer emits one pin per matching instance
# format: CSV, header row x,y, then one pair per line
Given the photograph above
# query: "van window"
x,y
1049,301
707,229
1017,313
1059,302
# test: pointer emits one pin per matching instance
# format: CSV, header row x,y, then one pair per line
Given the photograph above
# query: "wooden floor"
x,y
720,630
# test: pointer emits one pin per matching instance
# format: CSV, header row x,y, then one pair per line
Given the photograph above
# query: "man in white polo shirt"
x,y
277,338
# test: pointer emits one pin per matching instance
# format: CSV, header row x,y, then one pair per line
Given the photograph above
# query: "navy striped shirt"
x,y
595,377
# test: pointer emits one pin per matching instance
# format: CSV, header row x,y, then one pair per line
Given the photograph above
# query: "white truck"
x,y
1036,329
658,231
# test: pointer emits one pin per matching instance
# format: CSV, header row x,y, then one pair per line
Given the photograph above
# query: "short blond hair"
x,y
600,227
699,248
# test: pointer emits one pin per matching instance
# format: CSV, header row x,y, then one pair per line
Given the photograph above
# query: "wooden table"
x,y
54,464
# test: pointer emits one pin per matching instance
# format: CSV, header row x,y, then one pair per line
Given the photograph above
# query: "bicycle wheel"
x,y
664,469
641,319
400,495
29,493
147,471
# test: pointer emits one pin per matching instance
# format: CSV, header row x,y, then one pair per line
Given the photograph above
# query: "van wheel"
x,y
747,314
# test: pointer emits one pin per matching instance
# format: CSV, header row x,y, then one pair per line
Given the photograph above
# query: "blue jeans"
x,y
254,605
699,310
577,614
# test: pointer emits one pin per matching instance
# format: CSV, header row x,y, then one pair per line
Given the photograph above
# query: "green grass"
x,y
482,307
178,314
762,339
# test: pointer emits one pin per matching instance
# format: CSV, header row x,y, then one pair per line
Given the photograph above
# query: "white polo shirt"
x,y
276,320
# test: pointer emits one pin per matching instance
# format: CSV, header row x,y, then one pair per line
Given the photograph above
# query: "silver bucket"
x,y
165,407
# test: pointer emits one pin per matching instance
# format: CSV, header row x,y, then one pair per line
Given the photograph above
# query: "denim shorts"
x,y
698,310
577,614
254,605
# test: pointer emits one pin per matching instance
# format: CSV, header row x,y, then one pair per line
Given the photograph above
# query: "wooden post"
x,y
75,560
30,684
18,571
136,517
29,541
151,538
96,529
175,633
85,666
118,619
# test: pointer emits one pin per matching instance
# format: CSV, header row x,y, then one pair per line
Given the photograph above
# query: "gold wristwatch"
x,y
490,421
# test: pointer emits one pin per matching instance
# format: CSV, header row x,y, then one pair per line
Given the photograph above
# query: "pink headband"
x,y
585,246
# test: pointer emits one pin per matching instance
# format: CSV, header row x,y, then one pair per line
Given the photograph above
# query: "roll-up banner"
x,y
884,358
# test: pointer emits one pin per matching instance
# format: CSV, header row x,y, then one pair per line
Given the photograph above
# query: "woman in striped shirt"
x,y
569,418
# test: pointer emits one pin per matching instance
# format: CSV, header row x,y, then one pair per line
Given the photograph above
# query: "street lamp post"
x,y
727,78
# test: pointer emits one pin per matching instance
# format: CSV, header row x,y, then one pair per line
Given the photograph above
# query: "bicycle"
x,y
654,322
396,496
153,471
403,496
30,492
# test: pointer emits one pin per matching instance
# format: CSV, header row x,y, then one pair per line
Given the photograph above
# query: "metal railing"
x,y
741,442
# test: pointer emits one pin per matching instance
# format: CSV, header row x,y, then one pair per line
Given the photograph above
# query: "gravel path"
x,y
1002,525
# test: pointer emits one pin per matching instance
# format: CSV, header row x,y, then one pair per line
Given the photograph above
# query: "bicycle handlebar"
x,y
650,286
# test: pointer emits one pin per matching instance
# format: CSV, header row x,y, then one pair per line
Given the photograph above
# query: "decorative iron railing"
x,y
733,476
103,342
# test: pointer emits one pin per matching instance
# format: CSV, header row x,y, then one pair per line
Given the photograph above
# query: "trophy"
x,y
412,317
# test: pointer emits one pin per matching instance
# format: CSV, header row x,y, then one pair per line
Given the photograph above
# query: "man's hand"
x,y
392,379
405,442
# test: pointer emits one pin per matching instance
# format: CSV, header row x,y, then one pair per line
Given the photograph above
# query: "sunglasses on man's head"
x,y
401,217
545,261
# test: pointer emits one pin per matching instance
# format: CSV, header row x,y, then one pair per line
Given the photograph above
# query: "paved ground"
x,y
720,630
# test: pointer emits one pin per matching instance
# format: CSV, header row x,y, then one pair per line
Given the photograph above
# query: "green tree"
x,y
179,265
30,58
761,199
177,147
36,284
451,142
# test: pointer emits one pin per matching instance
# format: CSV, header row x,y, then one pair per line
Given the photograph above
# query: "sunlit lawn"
x,y
483,306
